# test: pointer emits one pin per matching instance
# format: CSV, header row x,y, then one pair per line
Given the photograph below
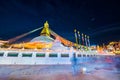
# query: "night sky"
x,y
100,19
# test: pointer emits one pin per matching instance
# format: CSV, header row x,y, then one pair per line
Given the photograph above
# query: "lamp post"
x,y
76,38
82,39
79,39
88,41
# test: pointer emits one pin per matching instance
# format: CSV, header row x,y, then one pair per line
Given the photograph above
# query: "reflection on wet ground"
x,y
100,68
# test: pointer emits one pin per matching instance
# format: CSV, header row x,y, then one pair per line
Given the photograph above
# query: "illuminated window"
x,y
64,55
12,54
1,53
40,55
27,55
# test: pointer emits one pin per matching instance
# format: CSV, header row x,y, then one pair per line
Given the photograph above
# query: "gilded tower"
x,y
45,31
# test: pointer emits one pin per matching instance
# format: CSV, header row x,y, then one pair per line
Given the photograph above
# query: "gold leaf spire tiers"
x,y
45,31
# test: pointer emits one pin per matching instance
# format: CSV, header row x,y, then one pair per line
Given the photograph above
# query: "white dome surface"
x,y
42,39
57,45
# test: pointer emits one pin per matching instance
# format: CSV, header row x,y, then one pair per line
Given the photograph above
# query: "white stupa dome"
x,y
42,39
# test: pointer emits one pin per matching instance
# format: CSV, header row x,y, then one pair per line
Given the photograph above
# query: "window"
x,y
79,55
1,53
84,55
52,55
12,54
64,55
27,55
40,55
87,55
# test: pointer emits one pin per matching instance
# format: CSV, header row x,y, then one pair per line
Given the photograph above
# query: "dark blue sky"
x,y
100,19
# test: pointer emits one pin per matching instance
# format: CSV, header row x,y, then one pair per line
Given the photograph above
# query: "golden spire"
x,y
46,25
45,31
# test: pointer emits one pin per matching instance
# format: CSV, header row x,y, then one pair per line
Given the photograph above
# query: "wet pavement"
x,y
105,68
